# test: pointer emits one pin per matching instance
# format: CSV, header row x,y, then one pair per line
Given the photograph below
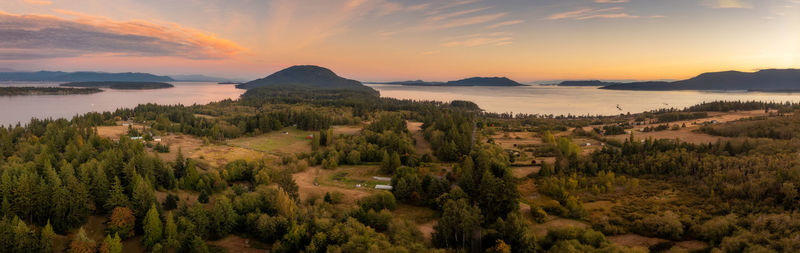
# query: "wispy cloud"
x,y
728,4
480,39
592,13
505,23
44,36
611,1
38,2
459,22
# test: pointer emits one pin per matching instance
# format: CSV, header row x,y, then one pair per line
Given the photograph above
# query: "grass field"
x,y
287,140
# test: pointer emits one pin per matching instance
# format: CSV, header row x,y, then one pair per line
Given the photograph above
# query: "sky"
x,y
390,40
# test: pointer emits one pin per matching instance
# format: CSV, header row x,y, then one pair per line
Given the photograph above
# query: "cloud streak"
x,y
590,13
44,36
728,4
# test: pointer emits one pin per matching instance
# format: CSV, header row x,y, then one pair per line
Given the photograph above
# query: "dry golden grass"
x,y
233,243
113,132
184,196
211,154
293,141
307,187
346,130
689,246
686,134
520,172
635,241
540,230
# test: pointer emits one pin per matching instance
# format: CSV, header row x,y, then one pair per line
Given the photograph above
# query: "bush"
x,y
334,197
378,201
667,225
171,202
717,228
539,215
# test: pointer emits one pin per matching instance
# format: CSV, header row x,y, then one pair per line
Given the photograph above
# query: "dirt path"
x,y
422,145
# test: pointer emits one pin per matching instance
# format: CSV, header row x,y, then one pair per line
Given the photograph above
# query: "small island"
x,y
473,81
120,85
31,91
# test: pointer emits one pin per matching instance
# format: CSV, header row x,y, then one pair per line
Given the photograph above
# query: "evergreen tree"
x,y
46,237
153,228
111,244
117,196
223,217
170,233
459,221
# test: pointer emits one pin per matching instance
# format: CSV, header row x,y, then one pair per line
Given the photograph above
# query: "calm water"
x,y
23,108
527,99
571,100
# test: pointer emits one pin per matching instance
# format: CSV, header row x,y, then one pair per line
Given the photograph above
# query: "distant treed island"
x,y
26,91
770,80
472,81
59,76
120,85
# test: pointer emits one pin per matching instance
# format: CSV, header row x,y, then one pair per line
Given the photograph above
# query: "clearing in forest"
x,y
422,146
286,140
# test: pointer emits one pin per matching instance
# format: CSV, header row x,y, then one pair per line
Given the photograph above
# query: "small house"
x,y
383,187
386,179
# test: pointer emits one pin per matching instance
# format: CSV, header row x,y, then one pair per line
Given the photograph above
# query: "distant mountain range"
x,y
473,81
59,76
306,76
763,80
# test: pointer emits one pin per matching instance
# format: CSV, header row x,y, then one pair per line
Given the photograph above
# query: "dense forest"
x,y
738,195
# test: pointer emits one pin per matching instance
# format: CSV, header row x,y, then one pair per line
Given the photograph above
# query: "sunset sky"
x,y
386,40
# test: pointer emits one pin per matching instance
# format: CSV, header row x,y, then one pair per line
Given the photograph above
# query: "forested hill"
x,y
307,76
472,81
59,76
763,80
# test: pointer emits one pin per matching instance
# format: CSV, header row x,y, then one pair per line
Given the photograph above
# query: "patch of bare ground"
x,y
183,196
520,172
689,246
635,241
603,206
113,132
421,145
427,229
308,185
204,116
211,154
424,218
346,130
233,243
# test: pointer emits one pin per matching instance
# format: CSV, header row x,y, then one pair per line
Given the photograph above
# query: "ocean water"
x,y
15,109
558,100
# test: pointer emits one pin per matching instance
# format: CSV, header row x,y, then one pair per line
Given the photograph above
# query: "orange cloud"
x,y
38,2
27,35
